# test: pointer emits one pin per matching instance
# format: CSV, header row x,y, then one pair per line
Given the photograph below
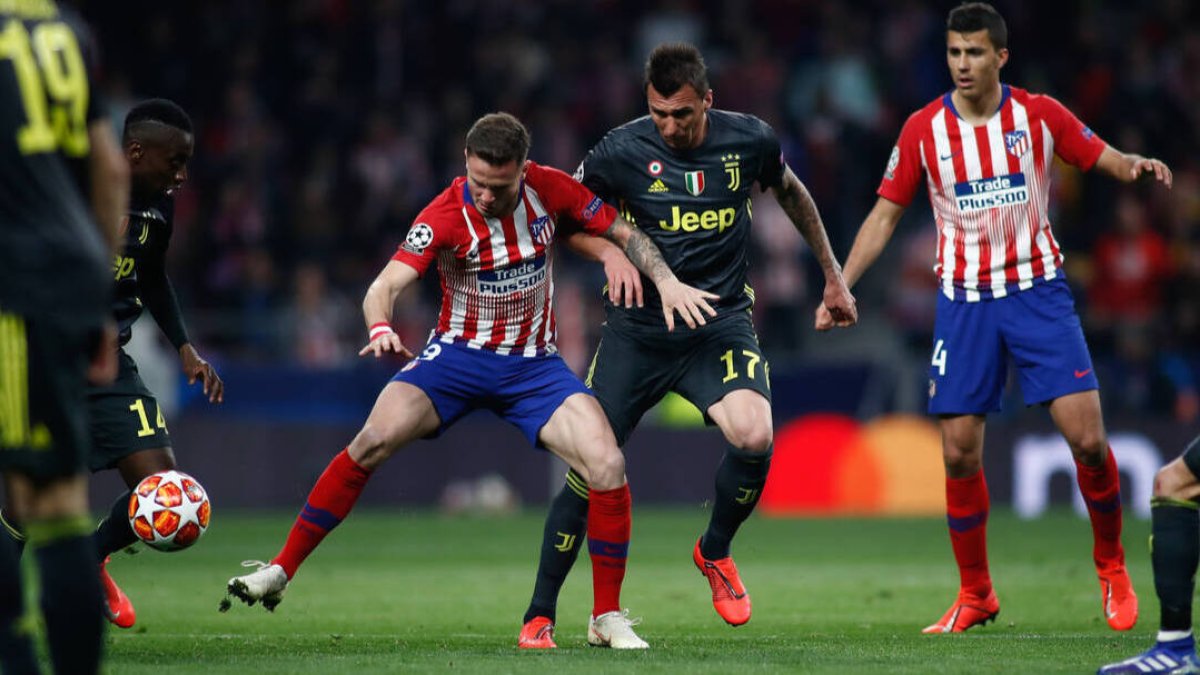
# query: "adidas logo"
x,y
657,186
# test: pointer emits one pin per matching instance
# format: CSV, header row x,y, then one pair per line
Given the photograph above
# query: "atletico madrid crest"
x,y
694,182
1016,142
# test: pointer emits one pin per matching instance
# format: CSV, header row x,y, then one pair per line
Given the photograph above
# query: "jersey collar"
x,y
948,100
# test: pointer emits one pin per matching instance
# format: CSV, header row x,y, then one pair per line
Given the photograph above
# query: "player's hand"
x,y
624,280
197,368
384,343
691,303
102,368
839,307
1144,167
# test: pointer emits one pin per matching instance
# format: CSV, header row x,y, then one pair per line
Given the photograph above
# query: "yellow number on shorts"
x,y
752,361
139,407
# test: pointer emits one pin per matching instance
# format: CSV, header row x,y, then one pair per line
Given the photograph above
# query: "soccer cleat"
x,y
729,596
614,629
537,633
1162,658
117,606
266,584
1119,601
967,611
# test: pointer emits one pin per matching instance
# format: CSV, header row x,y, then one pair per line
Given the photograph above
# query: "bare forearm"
x,y
378,302
798,204
644,255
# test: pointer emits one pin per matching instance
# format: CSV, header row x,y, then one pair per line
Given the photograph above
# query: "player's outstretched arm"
x,y
691,303
798,204
872,236
1128,167
377,309
624,281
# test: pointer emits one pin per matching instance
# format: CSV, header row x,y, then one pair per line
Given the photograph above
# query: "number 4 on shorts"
x,y
939,357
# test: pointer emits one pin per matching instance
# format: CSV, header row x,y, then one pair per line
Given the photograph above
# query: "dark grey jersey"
x,y
51,252
147,234
694,204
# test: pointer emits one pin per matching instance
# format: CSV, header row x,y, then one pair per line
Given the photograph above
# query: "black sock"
x,y
114,532
566,525
740,479
16,642
71,593
11,530
1174,553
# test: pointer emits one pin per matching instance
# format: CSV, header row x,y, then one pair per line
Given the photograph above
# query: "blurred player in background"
x,y
1174,552
56,149
683,175
490,233
984,151
127,427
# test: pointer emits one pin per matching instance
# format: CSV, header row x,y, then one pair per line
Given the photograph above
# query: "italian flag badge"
x,y
694,182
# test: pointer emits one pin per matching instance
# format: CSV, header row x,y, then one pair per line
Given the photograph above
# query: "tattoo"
x,y
644,255
798,204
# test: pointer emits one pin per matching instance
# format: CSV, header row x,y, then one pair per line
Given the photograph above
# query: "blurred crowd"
x,y
323,126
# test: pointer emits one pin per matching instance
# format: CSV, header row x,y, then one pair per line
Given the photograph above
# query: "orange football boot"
x,y
118,608
1119,601
537,633
967,611
729,596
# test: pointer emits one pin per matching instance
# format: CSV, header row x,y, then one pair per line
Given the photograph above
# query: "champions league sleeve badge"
x,y
420,236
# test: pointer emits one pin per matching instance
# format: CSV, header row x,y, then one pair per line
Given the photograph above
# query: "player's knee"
x,y
961,461
606,469
1175,481
751,436
372,446
1089,447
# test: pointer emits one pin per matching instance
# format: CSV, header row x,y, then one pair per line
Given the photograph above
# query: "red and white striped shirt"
x,y
497,273
989,186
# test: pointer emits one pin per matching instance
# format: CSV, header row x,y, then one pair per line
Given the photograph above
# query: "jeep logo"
x,y
690,221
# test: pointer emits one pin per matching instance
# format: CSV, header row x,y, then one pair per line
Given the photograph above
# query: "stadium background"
x,y
323,126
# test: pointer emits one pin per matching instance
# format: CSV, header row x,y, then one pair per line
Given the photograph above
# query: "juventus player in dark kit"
x,y
683,175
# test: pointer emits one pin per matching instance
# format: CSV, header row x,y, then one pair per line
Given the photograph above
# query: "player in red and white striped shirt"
x,y
493,348
985,151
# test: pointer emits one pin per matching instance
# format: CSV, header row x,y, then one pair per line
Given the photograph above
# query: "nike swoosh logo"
x,y
949,156
728,586
1082,373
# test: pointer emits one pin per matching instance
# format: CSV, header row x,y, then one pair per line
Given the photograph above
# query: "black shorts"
x,y
125,418
43,399
634,368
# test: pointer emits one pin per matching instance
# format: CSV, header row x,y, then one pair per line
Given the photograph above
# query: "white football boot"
x,y
615,629
266,584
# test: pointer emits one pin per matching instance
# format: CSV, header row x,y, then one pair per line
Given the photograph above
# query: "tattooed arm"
x,y
798,204
691,303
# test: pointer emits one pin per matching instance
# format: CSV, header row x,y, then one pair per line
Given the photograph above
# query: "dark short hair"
x,y
498,138
673,65
970,17
156,111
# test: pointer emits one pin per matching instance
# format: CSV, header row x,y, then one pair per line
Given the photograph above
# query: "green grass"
x,y
416,592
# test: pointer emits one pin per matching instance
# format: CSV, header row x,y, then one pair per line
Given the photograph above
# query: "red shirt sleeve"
x,y
567,199
902,177
1074,142
429,233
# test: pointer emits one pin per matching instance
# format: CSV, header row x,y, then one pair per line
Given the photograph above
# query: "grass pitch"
x,y
409,591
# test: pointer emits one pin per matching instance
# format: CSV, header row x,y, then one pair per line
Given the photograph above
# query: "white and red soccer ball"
x,y
169,510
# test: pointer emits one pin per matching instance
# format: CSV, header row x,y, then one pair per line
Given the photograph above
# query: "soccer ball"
x,y
169,510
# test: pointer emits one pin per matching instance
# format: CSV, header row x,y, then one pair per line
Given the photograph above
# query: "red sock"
x,y
967,514
1101,489
608,525
328,504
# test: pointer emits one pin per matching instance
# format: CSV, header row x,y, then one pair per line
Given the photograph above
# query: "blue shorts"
x,y
972,342
524,390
